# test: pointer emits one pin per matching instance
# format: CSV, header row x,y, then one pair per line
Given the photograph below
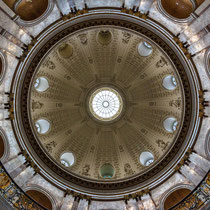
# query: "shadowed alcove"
x,y
180,9
40,198
175,197
30,10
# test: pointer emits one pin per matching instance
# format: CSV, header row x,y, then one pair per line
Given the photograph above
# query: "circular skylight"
x,y
106,104
146,158
67,159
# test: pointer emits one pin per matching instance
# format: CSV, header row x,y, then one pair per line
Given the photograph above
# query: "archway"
x,y
1,147
175,197
31,10
40,198
180,9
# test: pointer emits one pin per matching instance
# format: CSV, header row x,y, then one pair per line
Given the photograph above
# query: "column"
x,y
10,47
7,9
201,44
129,4
80,4
140,205
18,170
104,3
200,161
190,174
145,5
201,8
75,203
23,178
10,26
196,26
63,6
147,202
14,163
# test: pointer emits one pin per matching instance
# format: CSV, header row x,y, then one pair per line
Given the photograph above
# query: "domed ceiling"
x,y
109,59
104,105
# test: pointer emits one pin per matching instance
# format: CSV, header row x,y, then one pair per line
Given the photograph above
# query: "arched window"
x,y
40,198
1,147
65,50
2,66
107,171
67,159
41,84
180,9
146,158
169,82
42,126
170,124
31,10
104,37
144,49
175,197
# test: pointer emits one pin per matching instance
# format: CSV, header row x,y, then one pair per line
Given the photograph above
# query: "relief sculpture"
x,y
162,62
85,170
36,105
176,103
50,146
49,64
83,38
162,144
128,170
126,37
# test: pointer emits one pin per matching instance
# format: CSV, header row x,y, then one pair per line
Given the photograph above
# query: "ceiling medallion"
x,y
105,104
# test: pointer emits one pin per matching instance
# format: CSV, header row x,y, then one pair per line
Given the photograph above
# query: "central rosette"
x,y
105,104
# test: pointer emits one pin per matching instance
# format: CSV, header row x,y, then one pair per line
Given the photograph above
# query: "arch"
x,y
32,12
4,146
170,124
3,66
180,9
41,196
177,10
144,49
41,84
67,159
207,144
176,189
146,158
42,126
207,62
169,82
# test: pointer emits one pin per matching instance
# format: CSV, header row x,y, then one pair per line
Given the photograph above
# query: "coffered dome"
x,y
104,104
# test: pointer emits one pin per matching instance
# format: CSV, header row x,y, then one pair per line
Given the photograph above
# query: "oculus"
x,y
146,158
105,104
67,159
41,84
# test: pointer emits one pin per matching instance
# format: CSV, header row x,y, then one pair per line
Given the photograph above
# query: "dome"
x,y
104,105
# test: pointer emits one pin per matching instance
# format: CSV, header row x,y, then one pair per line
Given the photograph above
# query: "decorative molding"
x,y
6,154
4,65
